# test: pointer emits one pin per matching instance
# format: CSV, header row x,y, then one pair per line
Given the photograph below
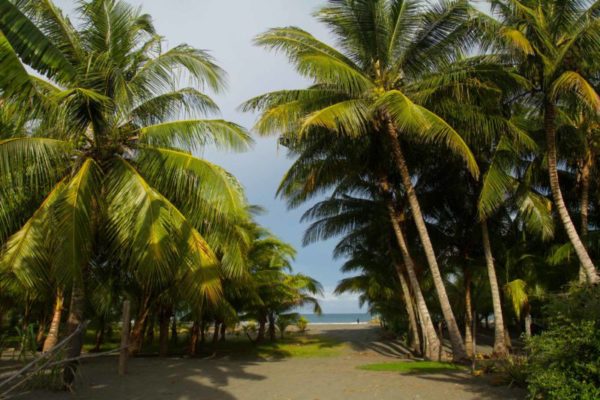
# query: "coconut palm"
x,y
110,153
554,45
364,86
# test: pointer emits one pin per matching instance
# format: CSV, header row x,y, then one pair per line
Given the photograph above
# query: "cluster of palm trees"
x,y
453,150
101,196
452,142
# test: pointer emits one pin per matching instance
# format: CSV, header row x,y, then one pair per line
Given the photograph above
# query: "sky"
x,y
226,28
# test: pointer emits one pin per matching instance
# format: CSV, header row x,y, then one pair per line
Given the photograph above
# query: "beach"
x,y
323,378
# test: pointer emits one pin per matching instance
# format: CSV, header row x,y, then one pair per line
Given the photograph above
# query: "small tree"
x,y
302,324
285,320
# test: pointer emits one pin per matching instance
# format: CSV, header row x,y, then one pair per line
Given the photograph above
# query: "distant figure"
x,y
357,320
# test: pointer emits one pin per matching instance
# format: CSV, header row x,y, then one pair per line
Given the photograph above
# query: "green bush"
x,y
564,360
302,324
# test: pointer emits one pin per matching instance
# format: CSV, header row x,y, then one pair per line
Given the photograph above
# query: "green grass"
x,y
413,367
292,346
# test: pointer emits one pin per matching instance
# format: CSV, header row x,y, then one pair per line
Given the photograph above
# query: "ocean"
x,y
364,318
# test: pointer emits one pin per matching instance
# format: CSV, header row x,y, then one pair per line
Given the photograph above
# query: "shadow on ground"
x,y
155,378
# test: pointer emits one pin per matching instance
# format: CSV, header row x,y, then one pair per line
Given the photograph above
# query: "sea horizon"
x,y
338,318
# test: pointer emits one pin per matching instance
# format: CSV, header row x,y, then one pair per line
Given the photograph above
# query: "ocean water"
x,y
364,318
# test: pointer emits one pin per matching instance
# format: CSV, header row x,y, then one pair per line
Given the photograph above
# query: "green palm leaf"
x,y
193,134
425,126
32,46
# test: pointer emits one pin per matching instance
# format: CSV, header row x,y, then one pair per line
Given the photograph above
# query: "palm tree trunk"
x,y
173,327
458,346
272,326
74,320
528,323
262,322
194,333
52,337
585,204
99,335
149,335
39,337
500,348
468,313
223,332
561,208
203,327
163,331
137,332
415,340
432,342
215,338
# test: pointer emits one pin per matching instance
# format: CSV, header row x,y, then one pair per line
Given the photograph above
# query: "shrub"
x,y
285,320
564,360
302,324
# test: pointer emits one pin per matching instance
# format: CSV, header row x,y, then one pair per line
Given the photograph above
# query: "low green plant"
x,y
512,371
285,320
302,324
564,361
27,342
408,367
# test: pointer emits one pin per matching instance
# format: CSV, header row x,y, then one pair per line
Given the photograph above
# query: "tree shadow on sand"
x,y
155,378
479,386
369,339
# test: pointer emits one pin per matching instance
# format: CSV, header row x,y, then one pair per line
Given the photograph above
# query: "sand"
x,y
316,378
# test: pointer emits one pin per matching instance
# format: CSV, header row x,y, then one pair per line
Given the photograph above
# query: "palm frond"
x,y
194,134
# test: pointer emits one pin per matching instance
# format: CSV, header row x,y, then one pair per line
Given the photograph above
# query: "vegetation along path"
x,y
323,374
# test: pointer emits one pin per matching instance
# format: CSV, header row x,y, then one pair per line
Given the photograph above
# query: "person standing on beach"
x,y
358,320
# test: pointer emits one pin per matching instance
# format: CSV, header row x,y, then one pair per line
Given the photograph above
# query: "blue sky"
x,y
226,28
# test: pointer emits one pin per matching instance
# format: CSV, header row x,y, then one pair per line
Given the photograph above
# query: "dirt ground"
x,y
316,378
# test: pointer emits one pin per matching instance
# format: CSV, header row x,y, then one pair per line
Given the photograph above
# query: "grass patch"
x,y
413,367
293,346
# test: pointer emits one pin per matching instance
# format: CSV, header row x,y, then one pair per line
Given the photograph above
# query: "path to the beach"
x,y
328,378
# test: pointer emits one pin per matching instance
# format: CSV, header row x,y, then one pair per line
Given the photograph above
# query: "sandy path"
x,y
329,378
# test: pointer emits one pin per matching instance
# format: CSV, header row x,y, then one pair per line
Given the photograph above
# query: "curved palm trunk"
x,y
52,337
561,208
73,321
432,342
137,332
468,314
458,346
585,204
500,348
415,340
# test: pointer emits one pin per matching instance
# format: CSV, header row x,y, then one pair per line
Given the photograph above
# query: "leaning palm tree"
x,y
111,152
555,44
364,86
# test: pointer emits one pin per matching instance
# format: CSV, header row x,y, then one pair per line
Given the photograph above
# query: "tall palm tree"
x,y
110,153
365,87
554,45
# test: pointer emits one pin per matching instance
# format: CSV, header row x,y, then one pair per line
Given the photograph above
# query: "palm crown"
x,y
109,148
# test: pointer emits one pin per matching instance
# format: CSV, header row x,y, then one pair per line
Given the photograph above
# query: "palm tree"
x,y
350,167
553,44
365,87
110,153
